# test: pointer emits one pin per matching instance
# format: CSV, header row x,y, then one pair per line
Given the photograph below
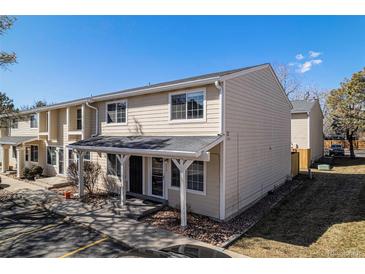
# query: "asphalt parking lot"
x,y
30,231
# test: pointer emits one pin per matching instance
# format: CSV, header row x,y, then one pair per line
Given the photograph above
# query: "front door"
x,y
157,177
60,161
136,174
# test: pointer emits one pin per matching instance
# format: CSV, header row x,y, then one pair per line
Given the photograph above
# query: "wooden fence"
x,y
294,164
357,144
304,158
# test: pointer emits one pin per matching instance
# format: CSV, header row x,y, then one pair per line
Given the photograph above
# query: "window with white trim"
x,y
194,174
14,123
51,156
71,156
34,153
113,165
34,121
79,119
116,112
187,106
14,152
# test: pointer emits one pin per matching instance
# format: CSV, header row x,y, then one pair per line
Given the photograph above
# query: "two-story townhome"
x,y
211,144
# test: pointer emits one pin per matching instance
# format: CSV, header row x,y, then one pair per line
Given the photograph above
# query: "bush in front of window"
x,y
33,172
91,173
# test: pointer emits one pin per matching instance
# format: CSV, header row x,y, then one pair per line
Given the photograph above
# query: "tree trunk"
x,y
350,139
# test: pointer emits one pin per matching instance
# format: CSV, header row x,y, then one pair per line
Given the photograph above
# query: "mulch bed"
x,y
219,233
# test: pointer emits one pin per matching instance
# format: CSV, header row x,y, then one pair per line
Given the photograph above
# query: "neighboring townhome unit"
x,y
211,144
307,127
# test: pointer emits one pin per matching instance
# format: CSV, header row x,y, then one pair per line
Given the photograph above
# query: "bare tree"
x,y
288,80
6,58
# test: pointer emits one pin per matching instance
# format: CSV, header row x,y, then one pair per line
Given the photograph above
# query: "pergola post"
x,y
183,165
123,190
81,173
20,161
5,158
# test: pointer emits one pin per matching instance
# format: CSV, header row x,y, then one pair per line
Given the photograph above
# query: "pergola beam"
x,y
81,173
123,190
183,165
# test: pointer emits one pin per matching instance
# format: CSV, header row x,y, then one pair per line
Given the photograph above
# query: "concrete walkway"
x,y
129,232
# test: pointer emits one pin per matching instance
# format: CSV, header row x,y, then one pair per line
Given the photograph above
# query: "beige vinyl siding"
x,y
316,132
257,146
207,204
24,128
149,115
299,130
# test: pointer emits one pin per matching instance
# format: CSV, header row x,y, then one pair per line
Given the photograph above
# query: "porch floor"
x,y
135,208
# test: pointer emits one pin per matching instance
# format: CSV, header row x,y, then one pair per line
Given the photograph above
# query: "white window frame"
x,y
30,120
56,165
203,193
30,153
186,120
165,180
107,166
77,119
126,113
14,123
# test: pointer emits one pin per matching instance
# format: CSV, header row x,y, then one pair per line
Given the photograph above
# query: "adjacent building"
x,y
307,127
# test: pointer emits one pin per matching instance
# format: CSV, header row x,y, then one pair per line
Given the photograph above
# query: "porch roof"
x,y
16,140
189,147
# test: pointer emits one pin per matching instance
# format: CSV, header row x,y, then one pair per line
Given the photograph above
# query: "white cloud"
x,y
307,66
299,56
314,54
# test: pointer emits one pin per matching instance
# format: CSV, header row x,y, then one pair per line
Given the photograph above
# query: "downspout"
x,y
222,152
221,100
96,118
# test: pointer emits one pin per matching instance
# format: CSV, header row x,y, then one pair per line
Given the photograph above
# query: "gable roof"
x,y
302,106
189,81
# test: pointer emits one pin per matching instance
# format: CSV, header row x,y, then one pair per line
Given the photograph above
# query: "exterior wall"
x,y
257,146
299,130
316,132
149,115
207,204
23,128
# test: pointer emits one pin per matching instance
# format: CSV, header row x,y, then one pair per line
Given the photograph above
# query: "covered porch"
x,y
159,153
14,153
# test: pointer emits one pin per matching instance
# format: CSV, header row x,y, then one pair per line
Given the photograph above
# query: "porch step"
x,y
52,182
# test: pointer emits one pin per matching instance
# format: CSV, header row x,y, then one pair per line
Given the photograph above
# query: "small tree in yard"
x,y
346,107
92,172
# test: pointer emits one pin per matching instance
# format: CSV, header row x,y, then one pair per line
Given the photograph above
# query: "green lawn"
x,y
324,217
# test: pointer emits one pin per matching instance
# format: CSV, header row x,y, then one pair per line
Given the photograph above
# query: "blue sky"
x,y
68,57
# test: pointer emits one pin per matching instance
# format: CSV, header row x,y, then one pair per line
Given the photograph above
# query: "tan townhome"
x,y
211,144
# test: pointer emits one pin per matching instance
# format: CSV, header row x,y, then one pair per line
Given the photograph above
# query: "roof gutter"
x,y
126,93
141,152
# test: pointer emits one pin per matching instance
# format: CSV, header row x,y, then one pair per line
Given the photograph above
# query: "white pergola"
x,y
183,151
181,164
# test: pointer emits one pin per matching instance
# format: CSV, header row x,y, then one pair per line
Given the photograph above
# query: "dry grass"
x,y
322,218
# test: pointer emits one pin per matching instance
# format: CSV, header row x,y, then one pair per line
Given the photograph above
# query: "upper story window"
x,y
14,123
79,119
187,105
34,121
116,112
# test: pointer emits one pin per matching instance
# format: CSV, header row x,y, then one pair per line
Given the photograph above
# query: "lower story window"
x,y
51,156
114,165
71,157
34,153
194,174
